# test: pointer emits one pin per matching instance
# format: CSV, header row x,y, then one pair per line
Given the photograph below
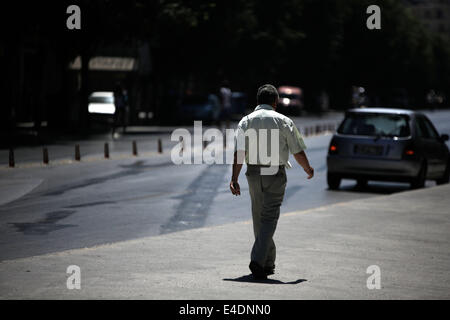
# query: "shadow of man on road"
x,y
249,278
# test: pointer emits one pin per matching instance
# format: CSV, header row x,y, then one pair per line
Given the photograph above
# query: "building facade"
x,y
434,14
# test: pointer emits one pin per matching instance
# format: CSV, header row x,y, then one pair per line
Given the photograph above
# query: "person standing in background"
x,y
120,102
225,102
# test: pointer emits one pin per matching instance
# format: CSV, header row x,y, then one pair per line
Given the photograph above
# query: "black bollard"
x,y
318,128
11,158
160,148
106,150
77,152
45,155
182,144
135,151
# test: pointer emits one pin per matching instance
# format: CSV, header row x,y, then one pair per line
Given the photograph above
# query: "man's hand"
x,y
235,188
237,166
310,172
302,160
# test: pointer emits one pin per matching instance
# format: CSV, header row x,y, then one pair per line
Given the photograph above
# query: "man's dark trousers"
x,y
266,193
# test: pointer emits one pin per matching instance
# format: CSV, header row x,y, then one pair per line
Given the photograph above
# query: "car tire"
x,y
446,177
419,181
333,180
361,183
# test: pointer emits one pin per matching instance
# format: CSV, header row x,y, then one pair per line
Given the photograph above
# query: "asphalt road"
x,y
90,203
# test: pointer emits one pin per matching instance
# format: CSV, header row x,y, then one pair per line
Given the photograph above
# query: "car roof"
x,y
383,110
289,90
102,94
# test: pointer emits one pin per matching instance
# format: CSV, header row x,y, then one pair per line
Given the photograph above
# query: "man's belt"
x,y
281,166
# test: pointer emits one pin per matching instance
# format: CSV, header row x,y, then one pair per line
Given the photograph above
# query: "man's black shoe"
x,y
269,270
257,271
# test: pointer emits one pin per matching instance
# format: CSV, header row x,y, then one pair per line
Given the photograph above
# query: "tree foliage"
x,y
318,45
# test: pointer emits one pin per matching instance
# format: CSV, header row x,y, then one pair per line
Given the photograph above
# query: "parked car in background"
x,y
387,145
101,106
205,107
102,103
290,102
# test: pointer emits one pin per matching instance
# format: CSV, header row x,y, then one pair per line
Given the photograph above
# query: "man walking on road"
x,y
266,177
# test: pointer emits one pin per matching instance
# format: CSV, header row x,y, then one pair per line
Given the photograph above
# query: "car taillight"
x,y
333,149
409,152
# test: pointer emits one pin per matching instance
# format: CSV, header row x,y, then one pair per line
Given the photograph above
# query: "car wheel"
x,y
446,177
419,181
361,183
333,180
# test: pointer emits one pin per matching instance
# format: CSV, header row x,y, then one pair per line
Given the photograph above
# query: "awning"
x,y
106,64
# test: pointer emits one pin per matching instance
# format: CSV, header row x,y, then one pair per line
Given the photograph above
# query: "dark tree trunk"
x,y
84,91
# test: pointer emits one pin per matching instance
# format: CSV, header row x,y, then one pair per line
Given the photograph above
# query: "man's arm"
x,y
237,166
297,147
302,160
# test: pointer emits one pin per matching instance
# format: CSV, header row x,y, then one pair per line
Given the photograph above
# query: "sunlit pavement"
x,y
323,253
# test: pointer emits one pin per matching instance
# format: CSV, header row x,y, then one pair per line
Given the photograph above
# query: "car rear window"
x,y
375,124
289,96
101,99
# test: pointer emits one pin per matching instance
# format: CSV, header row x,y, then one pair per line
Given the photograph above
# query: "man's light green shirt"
x,y
265,117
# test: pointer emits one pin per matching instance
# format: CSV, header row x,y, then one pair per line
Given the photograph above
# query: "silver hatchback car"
x,y
387,145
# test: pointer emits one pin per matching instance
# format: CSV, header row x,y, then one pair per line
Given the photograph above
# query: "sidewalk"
x,y
63,151
323,253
